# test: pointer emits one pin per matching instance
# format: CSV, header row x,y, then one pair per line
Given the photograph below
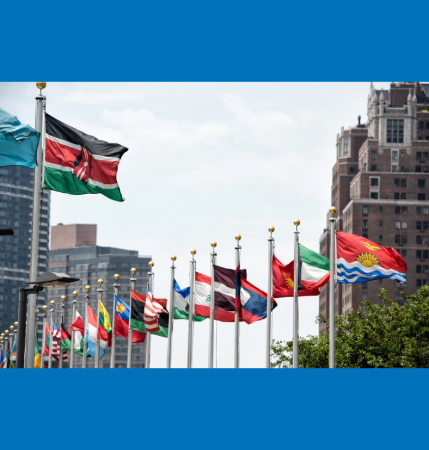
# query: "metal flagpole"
x,y
237,312
74,303
191,309
51,337
295,296
97,348
130,331
42,354
113,350
213,255
85,344
332,259
269,295
150,283
63,299
11,341
35,234
171,316
6,332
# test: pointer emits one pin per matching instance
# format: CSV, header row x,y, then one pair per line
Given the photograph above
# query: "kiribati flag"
x,y
77,163
360,260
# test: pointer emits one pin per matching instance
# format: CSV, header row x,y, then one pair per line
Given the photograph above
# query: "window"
x,y
418,225
425,269
381,209
421,125
425,156
403,196
395,130
425,240
419,156
398,239
404,239
421,183
394,155
419,210
380,237
396,195
404,253
418,240
397,182
404,224
403,182
352,170
394,168
425,225
365,235
419,283
425,169
381,223
374,155
374,195
374,168
365,285
374,182
405,210
426,211
418,169
346,147
365,210
365,224
418,269
397,210
364,296
421,196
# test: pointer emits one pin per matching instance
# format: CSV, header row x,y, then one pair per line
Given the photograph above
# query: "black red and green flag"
x,y
137,314
77,163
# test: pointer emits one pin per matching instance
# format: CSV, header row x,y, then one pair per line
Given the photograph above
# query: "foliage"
x,y
384,335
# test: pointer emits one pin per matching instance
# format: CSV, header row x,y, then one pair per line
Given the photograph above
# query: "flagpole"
x,y
297,222
42,355
11,341
97,347
191,310
130,331
237,312
171,316
113,350
63,299
269,296
213,255
332,259
85,344
51,338
74,303
35,233
150,283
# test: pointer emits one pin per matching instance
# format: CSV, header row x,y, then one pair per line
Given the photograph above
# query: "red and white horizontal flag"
x,y
151,310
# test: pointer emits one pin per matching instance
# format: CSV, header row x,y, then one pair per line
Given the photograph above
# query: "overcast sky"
x,y
207,161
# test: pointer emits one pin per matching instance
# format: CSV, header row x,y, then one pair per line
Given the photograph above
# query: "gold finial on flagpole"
x,y
333,210
133,270
116,276
173,258
52,302
12,328
16,324
238,238
6,332
45,307
271,229
100,281
151,264
87,287
75,293
214,244
193,252
63,298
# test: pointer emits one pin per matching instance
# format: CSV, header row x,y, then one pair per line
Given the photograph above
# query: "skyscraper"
x,y
16,205
380,186
74,251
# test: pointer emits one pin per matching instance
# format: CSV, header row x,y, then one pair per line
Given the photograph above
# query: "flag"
x,y
78,326
137,312
253,302
37,355
91,335
104,321
122,320
77,163
202,296
13,356
313,269
152,315
283,280
360,260
56,343
18,142
65,341
181,305
3,360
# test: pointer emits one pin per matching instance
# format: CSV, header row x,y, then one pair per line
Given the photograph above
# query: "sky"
x,y
207,161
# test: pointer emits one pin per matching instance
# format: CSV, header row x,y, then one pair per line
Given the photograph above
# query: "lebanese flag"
x,y
360,260
283,280
77,163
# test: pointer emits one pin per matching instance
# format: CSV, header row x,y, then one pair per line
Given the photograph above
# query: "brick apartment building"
x,y
380,186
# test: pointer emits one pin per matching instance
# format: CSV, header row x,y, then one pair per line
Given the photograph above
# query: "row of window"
x,y
420,283
422,269
420,210
420,224
420,240
402,182
397,196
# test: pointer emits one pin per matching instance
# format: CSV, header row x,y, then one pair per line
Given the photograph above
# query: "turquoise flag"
x,y
18,142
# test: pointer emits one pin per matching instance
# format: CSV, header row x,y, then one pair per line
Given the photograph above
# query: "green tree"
x,y
375,336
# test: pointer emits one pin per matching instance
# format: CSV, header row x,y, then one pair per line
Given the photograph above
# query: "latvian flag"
x,y
77,163
360,260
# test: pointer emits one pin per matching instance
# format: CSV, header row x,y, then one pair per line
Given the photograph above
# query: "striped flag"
x,y
56,343
151,311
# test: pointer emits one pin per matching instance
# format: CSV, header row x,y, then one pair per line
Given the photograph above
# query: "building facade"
x,y
16,208
380,186
90,263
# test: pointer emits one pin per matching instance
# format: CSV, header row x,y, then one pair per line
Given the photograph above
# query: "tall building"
x,y
74,251
380,186
16,206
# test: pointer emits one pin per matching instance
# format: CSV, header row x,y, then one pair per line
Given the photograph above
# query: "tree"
x,y
383,335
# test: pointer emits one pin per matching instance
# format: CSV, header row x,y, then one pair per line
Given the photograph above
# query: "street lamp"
x,y
47,279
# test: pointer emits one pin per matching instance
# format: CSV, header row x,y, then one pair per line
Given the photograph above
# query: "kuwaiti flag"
x,y
313,269
181,303
360,260
77,163
91,335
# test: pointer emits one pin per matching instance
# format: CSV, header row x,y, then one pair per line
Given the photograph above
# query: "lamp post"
x,y
47,279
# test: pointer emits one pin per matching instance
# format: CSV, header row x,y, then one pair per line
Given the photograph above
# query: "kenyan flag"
x,y
77,163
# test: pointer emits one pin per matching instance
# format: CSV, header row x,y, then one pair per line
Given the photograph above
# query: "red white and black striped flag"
x,y
77,163
151,311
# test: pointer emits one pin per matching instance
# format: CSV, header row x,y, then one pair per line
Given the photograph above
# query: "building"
x,y
16,206
88,261
380,186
